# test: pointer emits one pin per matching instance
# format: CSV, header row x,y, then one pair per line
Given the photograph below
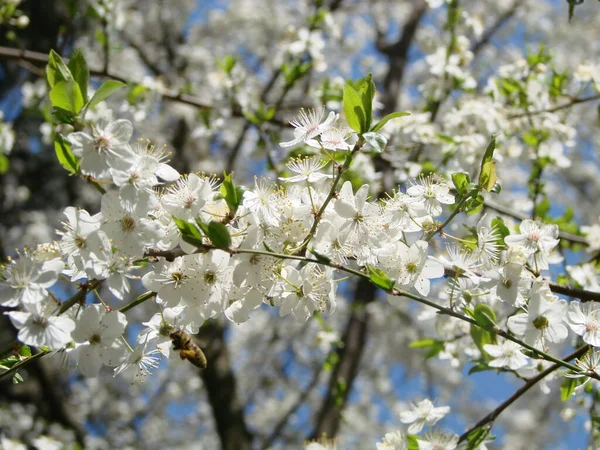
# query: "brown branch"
x,y
19,55
397,54
489,419
572,102
221,390
346,370
486,37
299,401
507,211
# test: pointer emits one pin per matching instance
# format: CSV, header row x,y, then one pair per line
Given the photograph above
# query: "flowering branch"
x,y
491,417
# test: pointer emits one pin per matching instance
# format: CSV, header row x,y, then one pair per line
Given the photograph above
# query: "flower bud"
x,y
22,21
64,128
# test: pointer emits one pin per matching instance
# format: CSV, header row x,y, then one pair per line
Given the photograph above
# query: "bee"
x,y
188,349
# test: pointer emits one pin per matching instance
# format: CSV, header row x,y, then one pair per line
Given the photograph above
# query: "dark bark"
x,y
345,371
220,383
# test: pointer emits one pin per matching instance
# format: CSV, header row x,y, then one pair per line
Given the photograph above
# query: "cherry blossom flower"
x,y
584,320
82,237
421,414
410,266
434,440
25,280
432,193
39,328
139,362
97,331
188,196
507,354
127,224
355,209
105,144
308,126
402,210
335,139
537,239
308,290
543,320
393,441
263,203
307,170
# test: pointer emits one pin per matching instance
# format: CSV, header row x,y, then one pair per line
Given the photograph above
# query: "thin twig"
x,y
528,385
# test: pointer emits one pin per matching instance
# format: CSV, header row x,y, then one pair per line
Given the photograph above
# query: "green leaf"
x,y
484,316
435,346
292,73
461,181
480,338
366,92
218,234
25,351
231,193
379,125
227,64
482,333
135,93
56,69
489,151
81,74
4,164
65,156
67,95
480,366
189,232
474,204
353,109
376,140
488,178
107,88
477,437
542,208
568,385
413,443
501,229
320,257
379,278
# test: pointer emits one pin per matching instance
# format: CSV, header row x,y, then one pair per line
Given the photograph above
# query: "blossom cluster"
x,y
289,240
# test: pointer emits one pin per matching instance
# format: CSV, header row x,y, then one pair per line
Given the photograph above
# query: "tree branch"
x,y
299,401
168,94
220,384
528,385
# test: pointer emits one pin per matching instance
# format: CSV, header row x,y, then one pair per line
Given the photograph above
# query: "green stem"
x,y
454,213
331,194
402,293
80,295
23,363
141,299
